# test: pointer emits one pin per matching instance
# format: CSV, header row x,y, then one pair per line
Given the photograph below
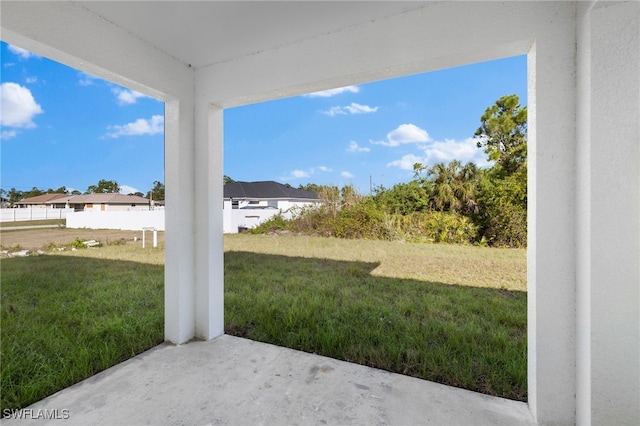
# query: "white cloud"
x,y
18,106
8,134
443,152
152,126
448,150
406,162
354,147
332,92
23,53
85,79
347,175
354,108
298,174
405,133
31,80
336,110
126,189
127,97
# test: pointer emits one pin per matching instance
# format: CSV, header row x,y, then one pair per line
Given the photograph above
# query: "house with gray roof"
x,y
247,204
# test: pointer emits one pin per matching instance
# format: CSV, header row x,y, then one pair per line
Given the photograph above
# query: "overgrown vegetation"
x,y
447,203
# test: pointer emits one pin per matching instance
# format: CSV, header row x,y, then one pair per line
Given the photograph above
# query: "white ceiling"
x,y
208,32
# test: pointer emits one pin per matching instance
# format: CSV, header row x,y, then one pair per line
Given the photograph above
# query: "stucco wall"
x,y
609,260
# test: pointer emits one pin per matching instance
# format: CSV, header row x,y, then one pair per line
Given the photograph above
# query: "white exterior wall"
x,y
246,218
250,218
608,220
102,207
584,162
291,208
124,220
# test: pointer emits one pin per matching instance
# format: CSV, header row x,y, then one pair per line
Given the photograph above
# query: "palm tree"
x,y
452,187
466,188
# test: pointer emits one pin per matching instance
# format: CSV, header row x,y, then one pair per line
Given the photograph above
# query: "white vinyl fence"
x,y
31,213
234,220
132,220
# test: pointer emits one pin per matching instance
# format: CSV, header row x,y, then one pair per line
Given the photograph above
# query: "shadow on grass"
x,y
66,318
468,337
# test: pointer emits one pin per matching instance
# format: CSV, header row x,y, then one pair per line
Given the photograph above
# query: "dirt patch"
x,y
34,239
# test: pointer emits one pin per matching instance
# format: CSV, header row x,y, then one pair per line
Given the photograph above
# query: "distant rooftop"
x,y
42,199
107,198
265,190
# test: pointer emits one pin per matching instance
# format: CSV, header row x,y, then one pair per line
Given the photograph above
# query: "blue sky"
x,y
62,127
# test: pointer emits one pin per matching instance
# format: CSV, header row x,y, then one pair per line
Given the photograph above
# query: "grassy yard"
x,y
451,314
69,315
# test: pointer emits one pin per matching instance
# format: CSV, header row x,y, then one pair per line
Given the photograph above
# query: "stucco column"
x,y
608,284
179,288
551,243
208,236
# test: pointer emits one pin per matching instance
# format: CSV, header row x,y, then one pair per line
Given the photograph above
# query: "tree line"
x,y
454,202
103,186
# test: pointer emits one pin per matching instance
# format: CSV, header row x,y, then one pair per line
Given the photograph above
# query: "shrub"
x,y
366,220
433,227
274,223
363,220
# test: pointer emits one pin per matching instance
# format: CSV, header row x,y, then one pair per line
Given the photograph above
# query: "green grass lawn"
x,y
67,317
332,297
430,311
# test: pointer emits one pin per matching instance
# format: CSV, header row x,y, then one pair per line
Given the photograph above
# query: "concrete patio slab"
x,y
235,381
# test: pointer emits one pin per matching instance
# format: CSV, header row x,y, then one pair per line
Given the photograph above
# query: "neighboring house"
x,y
266,194
89,202
109,202
247,204
56,200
